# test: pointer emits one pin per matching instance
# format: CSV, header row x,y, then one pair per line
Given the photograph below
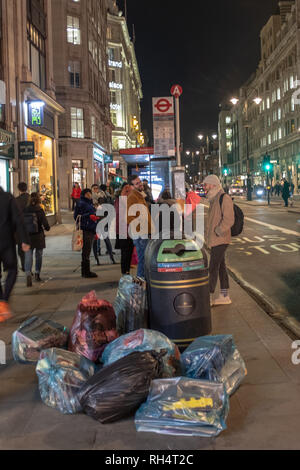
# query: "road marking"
x,y
273,227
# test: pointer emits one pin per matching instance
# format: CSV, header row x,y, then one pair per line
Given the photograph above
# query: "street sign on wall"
x,y
26,150
163,126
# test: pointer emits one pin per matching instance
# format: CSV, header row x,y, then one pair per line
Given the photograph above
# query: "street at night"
x,y
149,228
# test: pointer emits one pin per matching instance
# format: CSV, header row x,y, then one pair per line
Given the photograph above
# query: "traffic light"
x,y
225,170
267,165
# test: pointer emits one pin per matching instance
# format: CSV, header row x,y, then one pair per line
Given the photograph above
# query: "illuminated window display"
x,y
40,170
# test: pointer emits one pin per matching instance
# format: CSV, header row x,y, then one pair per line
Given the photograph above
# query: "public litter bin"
x,y
178,290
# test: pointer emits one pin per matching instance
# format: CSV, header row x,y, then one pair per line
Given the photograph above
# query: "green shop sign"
x,y
36,113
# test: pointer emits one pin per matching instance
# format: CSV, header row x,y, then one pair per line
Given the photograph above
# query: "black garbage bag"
x,y
120,388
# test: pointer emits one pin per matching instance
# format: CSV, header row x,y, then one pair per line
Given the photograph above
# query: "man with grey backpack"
x,y
221,219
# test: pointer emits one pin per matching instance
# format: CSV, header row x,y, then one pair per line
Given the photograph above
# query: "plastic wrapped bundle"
x,y
215,358
144,340
131,305
94,326
61,374
185,407
120,388
35,335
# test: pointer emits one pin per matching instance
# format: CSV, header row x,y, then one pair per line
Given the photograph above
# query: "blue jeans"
x,y
29,261
141,246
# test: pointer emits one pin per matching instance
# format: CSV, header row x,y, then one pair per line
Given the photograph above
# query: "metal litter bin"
x,y
178,290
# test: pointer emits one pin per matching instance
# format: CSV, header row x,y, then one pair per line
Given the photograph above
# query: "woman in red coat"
x,y
75,196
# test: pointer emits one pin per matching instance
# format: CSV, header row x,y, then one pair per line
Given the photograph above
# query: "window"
x,y
269,139
93,127
292,105
268,103
228,120
113,97
291,82
113,115
36,56
279,133
278,94
111,53
73,30
77,123
279,114
74,74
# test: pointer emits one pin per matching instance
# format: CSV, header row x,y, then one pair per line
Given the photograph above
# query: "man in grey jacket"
x,y
218,236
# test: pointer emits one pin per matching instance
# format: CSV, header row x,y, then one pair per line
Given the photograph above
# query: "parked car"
x,y
235,190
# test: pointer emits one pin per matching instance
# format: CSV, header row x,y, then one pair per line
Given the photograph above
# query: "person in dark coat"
x,y
286,193
37,239
11,223
22,202
88,224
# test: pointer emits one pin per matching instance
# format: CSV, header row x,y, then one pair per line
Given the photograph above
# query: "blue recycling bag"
x,y
184,407
61,374
214,358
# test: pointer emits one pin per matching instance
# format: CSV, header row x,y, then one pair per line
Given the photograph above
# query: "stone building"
x,y
272,121
125,88
81,79
28,108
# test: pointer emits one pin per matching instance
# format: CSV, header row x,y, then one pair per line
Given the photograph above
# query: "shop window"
x,y
77,123
74,74
40,170
114,118
73,30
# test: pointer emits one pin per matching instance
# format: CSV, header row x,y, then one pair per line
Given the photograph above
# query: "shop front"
x,y
41,170
6,154
99,167
78,174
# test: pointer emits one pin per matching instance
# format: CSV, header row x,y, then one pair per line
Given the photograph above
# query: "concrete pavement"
x,y
264,412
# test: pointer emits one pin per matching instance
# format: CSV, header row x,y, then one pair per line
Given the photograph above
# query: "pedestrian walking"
x,y
286,192
88,224
101,202
36,222
137,196
292,189
75,196
126,245
22,202
218,237
11,222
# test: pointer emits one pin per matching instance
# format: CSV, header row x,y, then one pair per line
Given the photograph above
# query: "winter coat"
x,y
11,222
37,240
286,190
220,221
22,201
136,197
76,193
85,208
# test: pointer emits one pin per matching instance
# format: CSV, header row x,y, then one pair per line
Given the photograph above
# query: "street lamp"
x,y
257,100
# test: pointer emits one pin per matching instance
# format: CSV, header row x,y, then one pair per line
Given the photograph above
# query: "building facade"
x,y
81,79
125,89
29,110
271,125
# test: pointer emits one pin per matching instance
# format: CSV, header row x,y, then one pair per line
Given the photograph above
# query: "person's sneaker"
x,y
223,300
5,312
37,277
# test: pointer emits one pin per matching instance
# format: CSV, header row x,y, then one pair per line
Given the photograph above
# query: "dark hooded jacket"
x,y
11,222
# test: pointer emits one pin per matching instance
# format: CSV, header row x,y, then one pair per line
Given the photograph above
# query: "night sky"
x,y
208,47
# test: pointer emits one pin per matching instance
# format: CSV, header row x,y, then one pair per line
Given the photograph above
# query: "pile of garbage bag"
x,y
37,334
61,374
131,304
119,388
94,326
215,358
183,406
144,340
108,376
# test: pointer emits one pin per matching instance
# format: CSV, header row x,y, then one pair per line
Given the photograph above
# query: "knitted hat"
x,y
212,179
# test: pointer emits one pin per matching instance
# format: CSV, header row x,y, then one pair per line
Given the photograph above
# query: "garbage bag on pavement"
x,y
61,374
119,389
35,335
183,406
131,304
94,326
215,358
144,340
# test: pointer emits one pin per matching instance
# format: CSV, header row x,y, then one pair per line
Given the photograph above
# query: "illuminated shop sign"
x,y
114,63
116,86
36,113
115,107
